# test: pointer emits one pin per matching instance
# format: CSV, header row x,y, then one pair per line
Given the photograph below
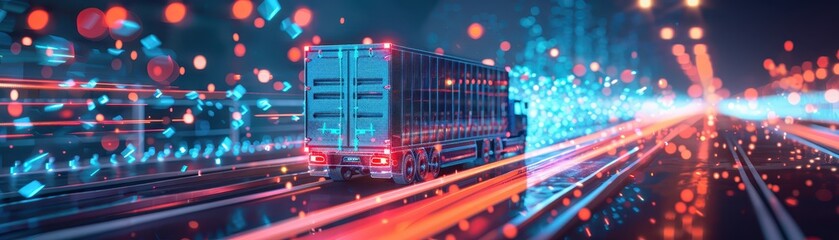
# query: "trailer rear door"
x,y
347,105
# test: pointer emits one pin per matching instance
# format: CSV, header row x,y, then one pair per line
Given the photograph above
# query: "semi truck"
x,y
394,112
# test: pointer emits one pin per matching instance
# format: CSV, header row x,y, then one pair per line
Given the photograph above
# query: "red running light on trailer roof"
x,y
306,48
387,45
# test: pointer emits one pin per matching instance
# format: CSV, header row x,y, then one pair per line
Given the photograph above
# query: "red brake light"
x,y
317,159
387,45
379,161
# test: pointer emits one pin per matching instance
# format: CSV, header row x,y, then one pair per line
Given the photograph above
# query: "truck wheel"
x,y
486,151
422,166
435,163
497,150
409,169
340,174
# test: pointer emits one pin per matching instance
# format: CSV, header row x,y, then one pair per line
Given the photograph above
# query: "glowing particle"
x,y
259,22
110,142
627,76
268,9
695,91
439,51
475,30
162,69
303,17
768,64
235,37
794,98
579,70
788,46
367,40
115,16
29,190
645,4
193,224
666,33
184,168
188,117
174,12
26,41
554,52
263,76
584,214
15,109
91,23
505,46
594,66
488,62
750,94
294,54
200,62
341,20
242,9
38,19
510,231
695,33
831,95
692,3
239,50
686,195
14,95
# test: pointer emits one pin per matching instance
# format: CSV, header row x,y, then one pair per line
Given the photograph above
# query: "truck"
x,y
404,114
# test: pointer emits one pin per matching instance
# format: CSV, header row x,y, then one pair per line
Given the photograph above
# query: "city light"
x,y
645,4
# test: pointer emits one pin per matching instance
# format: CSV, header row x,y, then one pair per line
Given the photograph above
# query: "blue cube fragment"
x,y
169,132
53,107
263,104
268,9
291,28
126,28
31,189
91,83
150,42
103,99
67,84
22,123
237,93
192,95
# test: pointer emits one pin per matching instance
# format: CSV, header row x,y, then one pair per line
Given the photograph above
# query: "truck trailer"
x,y
401,113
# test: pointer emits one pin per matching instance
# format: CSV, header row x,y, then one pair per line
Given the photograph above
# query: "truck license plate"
x,y
352,159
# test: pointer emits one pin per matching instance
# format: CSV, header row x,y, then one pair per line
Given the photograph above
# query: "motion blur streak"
x,y
292,227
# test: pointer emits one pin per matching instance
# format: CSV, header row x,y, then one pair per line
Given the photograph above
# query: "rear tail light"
x,y
387,151
379,161
317,159
387,45
305,149
305,48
